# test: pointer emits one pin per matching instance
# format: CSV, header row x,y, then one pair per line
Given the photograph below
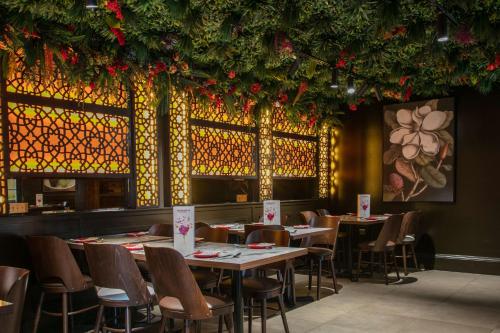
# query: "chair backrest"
x,y
390,232
409,225
322,212
252,227
13,285
162,229
306,216
198,225
52,259
172,277
328,238
113,266
278,237
216,235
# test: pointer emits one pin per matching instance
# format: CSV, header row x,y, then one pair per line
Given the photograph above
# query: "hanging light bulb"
x,y
335,79
351,89
91,4
442,28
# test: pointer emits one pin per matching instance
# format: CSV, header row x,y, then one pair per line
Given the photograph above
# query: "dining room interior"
x,y
236,165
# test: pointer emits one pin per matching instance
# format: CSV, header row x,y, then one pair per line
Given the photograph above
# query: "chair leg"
x,y
395,263
412,247
197,326
65,312
163,324
186,328
128,321
318,289
228,319
310,272
372,259
385,268
99,319
263,314
219,328
291,273
250,314
38,313
405,268
283,315
360,254
332,265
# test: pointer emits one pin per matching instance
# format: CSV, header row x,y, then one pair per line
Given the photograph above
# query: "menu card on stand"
x,y
184,229
363,205
272,213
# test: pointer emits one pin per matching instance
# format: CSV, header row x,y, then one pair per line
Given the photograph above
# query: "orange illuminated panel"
x,y
218,152
294,158
44,139
31,83
220,115
281,123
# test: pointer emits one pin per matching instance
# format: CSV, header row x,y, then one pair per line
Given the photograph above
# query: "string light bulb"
x,y
335,79
442,28
91,4
351,89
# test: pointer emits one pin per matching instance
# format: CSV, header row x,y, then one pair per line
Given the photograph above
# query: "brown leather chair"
x,y
262,288
322,212
13,285
118,282
249,228
162,229
321,248
58,273
306,216
384,244
178,294
214,235
407,238
199,224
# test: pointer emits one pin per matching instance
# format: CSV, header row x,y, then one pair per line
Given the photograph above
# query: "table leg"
x,y
238,301
349,251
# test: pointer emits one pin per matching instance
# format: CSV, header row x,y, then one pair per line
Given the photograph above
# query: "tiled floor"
x,y
430,301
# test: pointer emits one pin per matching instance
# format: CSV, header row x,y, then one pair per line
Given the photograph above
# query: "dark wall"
x,y
470,225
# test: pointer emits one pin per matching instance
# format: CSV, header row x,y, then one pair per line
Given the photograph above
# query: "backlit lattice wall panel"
x,y
31,83
334,160
323,161
265,155
180,181
281,123
146,148
3,179
294,158
220,115
219,152
44,139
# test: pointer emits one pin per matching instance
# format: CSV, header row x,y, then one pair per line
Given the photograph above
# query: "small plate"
x,y
133,247
206,254
260,246
302,226
85,240
137,234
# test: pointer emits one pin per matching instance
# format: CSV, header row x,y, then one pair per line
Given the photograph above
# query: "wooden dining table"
x,y
351,222
295,232
6,307
235,258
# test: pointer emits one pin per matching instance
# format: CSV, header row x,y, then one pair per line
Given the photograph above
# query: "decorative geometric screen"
x,y
334,160
281,123
146,148
180,181
44,139
265,155
31,83
219,152
294,158
323,161
3,179
220,115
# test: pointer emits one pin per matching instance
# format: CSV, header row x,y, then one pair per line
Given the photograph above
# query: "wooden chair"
x,y
322,212
206,278
215,235
58,273
306,216
198,225
162,229
384,244
262,289
13,285
178,294
407,238
118,282
321,248
249,228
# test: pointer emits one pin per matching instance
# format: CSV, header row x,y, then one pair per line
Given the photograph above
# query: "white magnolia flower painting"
x,y
418,151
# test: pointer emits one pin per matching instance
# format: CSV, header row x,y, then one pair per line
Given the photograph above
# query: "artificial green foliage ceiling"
x,y
250,54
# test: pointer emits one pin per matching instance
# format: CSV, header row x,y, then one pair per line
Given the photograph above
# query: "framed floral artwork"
x,y
419,142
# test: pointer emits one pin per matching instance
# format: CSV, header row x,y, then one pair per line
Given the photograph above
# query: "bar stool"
x,y
13,285
58,273
321,248
407,238
118,282
178,294
384,244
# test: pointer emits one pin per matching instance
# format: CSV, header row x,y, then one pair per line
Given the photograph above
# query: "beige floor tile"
x,y
423,325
